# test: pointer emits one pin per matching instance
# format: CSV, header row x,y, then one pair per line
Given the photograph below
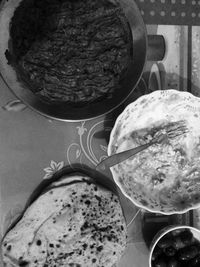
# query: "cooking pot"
x,y
67,112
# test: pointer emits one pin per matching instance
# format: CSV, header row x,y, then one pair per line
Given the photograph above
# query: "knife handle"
x,y
119,157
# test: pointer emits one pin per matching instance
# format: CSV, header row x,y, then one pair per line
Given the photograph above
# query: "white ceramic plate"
x,y
179,191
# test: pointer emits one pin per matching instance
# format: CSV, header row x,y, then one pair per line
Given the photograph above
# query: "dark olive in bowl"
x,y
176,247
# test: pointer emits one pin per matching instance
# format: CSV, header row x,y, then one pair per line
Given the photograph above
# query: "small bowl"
x,y
175,241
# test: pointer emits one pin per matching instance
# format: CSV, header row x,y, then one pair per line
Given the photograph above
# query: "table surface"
x,y
33,147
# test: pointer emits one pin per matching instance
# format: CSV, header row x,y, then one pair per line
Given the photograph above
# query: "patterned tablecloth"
x,y
33,147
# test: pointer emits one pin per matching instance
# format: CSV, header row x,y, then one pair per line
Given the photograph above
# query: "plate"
x,y
144,115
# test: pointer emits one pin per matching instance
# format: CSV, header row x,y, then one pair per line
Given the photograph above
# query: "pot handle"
x,y
14,105
156,48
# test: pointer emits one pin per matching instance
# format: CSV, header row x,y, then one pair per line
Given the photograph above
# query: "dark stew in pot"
x,y
71,51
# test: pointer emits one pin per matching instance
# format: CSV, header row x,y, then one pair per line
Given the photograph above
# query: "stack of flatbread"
x,y
73,223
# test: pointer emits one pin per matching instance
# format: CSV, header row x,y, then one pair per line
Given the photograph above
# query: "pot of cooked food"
x,y
176,246
75,218
72,60
164,176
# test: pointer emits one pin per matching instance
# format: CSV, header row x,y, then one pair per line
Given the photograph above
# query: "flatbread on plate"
x,y
74,223
164,177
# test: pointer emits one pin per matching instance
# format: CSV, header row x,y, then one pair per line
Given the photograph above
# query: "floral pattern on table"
x,y
87,149
53,168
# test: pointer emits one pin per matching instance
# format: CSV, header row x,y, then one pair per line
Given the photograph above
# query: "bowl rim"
x,y
158,92
165,231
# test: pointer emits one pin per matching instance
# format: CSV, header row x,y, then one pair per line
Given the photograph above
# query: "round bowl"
x,y
184,245
162,178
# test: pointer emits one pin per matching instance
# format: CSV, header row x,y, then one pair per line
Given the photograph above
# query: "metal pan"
x,y
68,112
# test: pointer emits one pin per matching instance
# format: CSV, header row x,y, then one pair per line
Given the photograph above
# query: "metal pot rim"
x,y
66,112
